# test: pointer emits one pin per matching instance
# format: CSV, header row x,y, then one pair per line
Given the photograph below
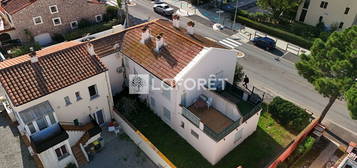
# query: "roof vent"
x,y
176,21
190,29
159,41
145,34
33,55
90,49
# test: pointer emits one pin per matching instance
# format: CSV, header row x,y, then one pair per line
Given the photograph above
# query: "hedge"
x,y
289,115
78,33
289,37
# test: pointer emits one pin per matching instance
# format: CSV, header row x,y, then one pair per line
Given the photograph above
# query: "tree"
x,y
331,67
238,74
278,7
351,97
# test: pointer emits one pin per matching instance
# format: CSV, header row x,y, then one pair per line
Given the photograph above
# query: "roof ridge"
x,y
180,34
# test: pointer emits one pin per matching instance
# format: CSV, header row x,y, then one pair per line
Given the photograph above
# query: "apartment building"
x,y
43,18
213,121
59,96
339,13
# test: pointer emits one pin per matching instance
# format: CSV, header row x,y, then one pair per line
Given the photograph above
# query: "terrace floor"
x,y
211,117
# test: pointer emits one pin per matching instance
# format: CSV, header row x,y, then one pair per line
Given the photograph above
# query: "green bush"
x,y
24,49
111,13
58,37
300,151
289,115
83,23
78,33
71,165
284,35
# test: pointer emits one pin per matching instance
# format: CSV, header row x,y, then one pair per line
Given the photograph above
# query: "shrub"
x,y
287,36
111,12
83,23
78,33
300,151
71,165
289,115
21,50
58,37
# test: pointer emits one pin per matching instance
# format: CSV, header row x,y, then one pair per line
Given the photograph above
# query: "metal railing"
x,y
190,116
218,136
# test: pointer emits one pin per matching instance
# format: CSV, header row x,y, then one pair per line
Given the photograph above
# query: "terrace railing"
x,y
218,136
190,116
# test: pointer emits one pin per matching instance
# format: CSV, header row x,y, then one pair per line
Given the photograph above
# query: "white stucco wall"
x,y
74,137
49,157
78,109
113,62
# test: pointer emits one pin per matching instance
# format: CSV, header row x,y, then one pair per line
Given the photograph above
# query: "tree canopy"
x,y
332,68
278,7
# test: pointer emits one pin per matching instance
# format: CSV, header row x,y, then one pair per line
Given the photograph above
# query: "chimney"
x,y
176,21
190,29
145,34
90,49
159,42
33,55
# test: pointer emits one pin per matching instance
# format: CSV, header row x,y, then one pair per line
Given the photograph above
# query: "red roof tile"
x,y
166,64
58,66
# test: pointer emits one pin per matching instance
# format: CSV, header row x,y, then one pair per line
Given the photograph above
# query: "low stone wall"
x,y
142,142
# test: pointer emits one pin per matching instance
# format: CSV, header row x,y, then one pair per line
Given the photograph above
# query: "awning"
x,y
36,112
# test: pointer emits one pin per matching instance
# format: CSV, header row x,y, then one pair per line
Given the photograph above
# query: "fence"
x,y
294,144
250,34
142,142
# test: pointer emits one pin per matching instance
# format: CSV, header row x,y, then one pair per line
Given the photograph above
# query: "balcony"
x,y
217,113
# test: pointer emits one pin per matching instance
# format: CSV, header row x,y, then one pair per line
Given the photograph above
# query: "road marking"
x,y
228,42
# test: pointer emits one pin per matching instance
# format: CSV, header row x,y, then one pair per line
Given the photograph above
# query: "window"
x,y
182,124
93,93
347,10
67,100
98,18
194,134
166,91
152,101
53,9
78,96
31,127
61,152
167,114
56,21
74,25
41,123
306,4
320,19
52,118
37,20
323,4
303,15
340,26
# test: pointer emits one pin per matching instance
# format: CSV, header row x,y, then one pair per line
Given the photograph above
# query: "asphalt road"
x,y
277,77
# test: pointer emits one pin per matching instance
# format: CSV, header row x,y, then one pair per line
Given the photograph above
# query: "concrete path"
x,y
13,153
120,152
325,156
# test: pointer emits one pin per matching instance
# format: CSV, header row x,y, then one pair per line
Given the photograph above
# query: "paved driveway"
x,y
13,153
120,152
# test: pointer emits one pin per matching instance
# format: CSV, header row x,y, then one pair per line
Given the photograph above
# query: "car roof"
x,y
266,39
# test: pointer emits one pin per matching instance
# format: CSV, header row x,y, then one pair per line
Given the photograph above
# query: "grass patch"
x,y
258,150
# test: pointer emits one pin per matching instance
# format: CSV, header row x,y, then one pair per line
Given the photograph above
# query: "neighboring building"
x,y
350,160
59,96
213,122
339,13
43,18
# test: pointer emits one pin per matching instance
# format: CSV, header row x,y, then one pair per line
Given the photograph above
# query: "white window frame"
x,y
34,20
96,18
53,21
96,90
67,100
63,155
37,129
72,25
78,97
51,10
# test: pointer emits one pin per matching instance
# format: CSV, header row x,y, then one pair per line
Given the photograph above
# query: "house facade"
x,y
44,18
213,121
59,96
341,14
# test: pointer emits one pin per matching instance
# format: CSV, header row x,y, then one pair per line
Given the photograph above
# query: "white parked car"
x,y
163,9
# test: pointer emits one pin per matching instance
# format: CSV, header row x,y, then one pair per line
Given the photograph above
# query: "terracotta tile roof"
x,y
166,64
58,66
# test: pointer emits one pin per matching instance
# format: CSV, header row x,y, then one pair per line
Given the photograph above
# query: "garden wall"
x,y
142,142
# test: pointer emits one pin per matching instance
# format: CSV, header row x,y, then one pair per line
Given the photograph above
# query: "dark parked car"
x,y
264,42
163,9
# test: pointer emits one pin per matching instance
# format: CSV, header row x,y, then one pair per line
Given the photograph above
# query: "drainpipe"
x,y
110,96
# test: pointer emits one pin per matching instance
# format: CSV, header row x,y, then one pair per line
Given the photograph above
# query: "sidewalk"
x,y
325,156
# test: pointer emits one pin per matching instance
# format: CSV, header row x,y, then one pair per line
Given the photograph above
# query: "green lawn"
x,y
256,151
